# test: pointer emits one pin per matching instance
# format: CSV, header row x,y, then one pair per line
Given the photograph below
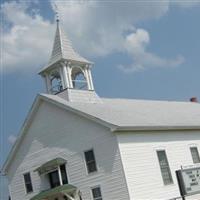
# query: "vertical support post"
x,y
90,77
47,83
62,77
69,75
65,75
180,184
60,176
87,78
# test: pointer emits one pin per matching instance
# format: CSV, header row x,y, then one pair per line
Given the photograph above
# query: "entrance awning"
x,y
50,165
64,189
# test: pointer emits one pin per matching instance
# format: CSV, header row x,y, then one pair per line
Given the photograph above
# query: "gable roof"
x,y
146,114
122,115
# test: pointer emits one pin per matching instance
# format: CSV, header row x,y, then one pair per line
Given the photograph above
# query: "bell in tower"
x,y
68,74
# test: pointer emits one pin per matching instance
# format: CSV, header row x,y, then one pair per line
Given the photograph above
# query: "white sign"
x,y
191,180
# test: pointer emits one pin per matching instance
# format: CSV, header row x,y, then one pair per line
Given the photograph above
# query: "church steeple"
x,y
62,48
68,74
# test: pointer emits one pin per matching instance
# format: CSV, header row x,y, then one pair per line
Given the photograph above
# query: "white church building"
x,y
75,145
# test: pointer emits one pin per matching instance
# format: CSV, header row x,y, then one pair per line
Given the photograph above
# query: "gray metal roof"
x,y
138,113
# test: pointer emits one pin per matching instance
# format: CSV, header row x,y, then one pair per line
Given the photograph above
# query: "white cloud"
x,y
96,29
136,46
12,139
27,44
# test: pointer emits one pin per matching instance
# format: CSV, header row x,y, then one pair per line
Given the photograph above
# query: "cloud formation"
x,y
95,28
26,45
99,28
136,46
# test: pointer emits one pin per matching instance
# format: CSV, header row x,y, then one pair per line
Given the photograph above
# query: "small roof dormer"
x,y
68,74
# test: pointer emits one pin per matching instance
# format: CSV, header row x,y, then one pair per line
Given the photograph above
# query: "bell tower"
x,y
68,74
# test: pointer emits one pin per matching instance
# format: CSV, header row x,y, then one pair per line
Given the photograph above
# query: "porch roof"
x,y
67,188
50,165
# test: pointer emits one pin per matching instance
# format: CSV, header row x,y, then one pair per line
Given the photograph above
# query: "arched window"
x,y
78,79
56,84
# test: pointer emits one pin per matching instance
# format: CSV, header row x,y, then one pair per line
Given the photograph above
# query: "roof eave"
x,y
154,128
51,65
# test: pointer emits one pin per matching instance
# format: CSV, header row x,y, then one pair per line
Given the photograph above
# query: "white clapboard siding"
x,y
141,166
58,133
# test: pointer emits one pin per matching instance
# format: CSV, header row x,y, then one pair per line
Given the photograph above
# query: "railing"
x,y
56,89
80,84
77,84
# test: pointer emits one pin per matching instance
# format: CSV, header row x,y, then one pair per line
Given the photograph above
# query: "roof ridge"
x,y
148,100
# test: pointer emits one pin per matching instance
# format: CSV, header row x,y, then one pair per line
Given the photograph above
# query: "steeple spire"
x,y
68,74
62,48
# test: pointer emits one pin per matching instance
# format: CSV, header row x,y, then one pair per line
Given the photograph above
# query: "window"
x,y
54,177
164,167
96,193
90,161
195,154
28,183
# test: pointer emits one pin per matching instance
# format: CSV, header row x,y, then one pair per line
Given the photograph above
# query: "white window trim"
x,y
194,146
27,193
164,149
93,187
86,169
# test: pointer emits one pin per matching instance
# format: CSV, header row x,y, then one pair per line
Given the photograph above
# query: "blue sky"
x,y
141,49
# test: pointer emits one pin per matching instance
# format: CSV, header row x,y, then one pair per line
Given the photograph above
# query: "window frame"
x,y
95,187
51,182
86,163
65,170
197,151
25,184
168,168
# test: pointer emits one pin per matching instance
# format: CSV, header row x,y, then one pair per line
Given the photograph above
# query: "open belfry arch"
x,y
68,74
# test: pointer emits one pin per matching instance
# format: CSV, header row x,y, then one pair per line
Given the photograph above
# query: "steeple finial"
x,y
56,14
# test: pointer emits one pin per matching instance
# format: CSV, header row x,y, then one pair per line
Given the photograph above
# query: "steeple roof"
x,y
62,48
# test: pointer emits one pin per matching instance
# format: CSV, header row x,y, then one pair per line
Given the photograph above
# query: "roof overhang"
x,y
50,66
154,128
64,189
50,165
